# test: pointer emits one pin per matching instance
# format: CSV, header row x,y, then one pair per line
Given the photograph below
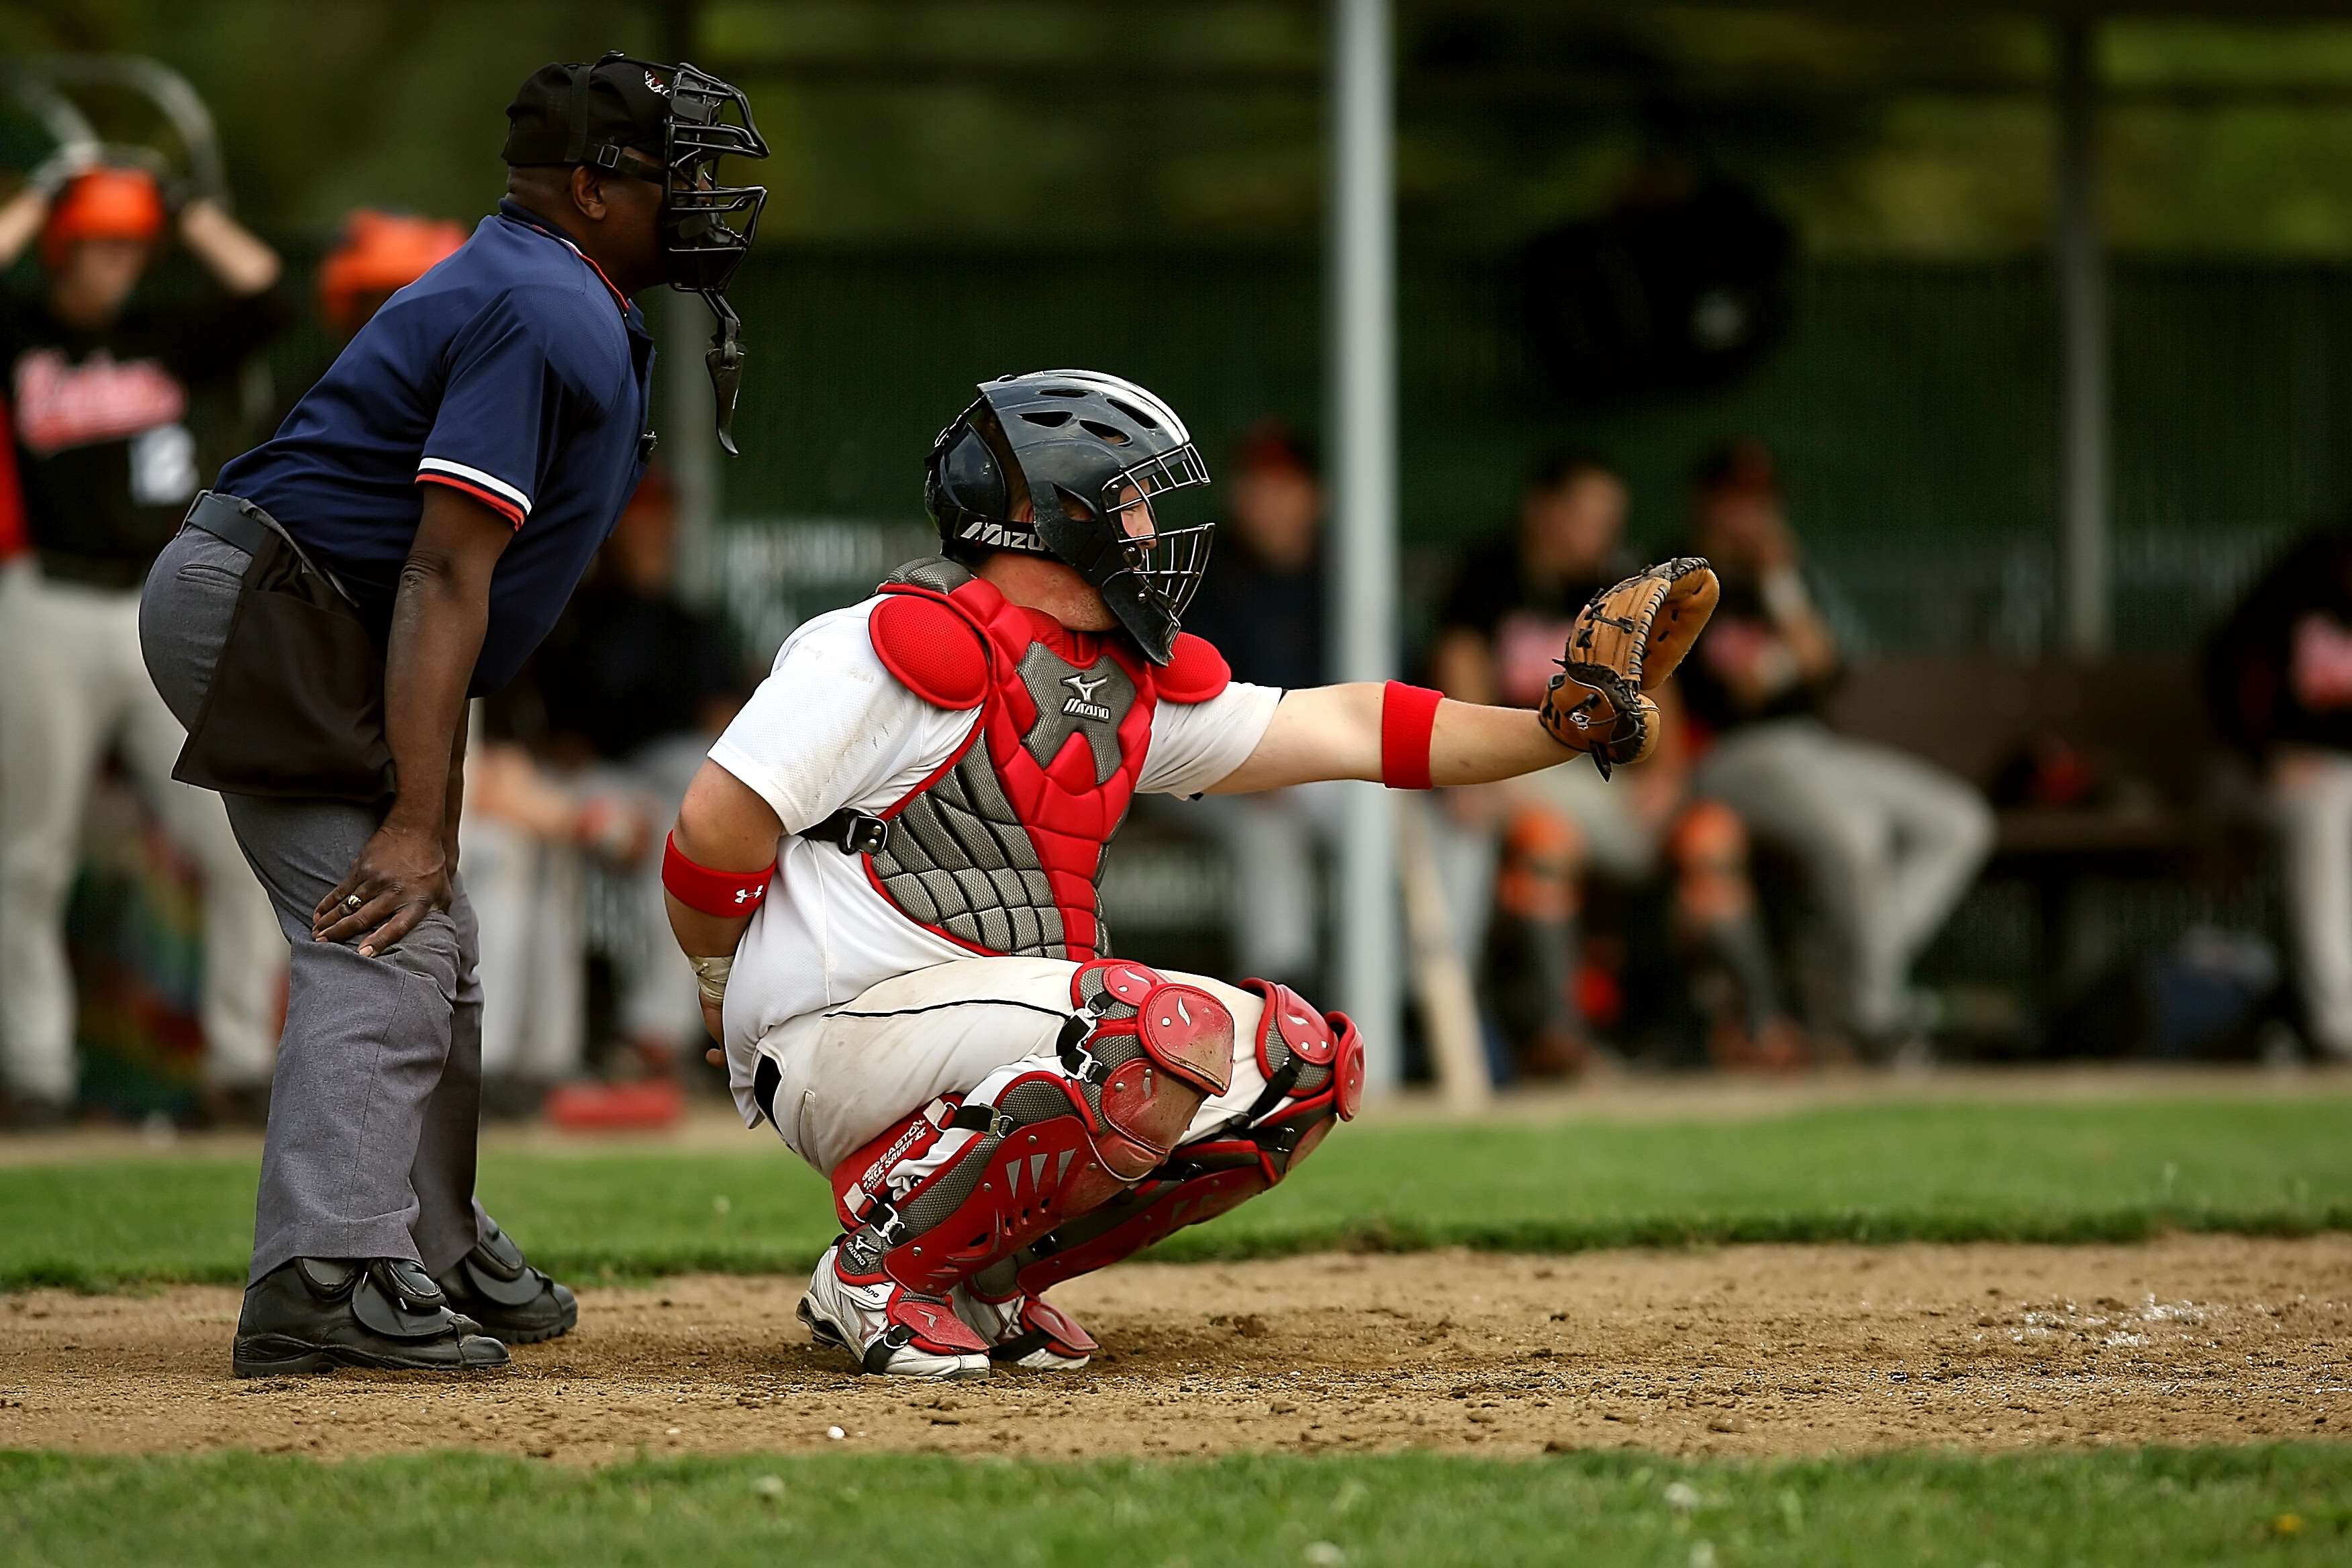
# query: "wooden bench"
x,y
2137,718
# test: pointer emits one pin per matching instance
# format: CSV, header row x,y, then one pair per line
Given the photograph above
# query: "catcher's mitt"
x,y
1626,642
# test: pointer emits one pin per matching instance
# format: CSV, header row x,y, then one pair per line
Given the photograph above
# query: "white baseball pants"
x,y
72,683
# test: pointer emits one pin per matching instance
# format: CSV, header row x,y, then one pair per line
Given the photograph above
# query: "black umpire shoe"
x,y
320,1313
511,1300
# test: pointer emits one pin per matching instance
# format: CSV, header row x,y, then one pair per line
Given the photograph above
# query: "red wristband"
x,y
728,894
1408,715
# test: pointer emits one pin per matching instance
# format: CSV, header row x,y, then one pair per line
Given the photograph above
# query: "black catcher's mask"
x,y
619,115
1094,457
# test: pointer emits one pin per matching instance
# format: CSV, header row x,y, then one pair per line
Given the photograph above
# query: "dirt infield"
x,y
1746,1351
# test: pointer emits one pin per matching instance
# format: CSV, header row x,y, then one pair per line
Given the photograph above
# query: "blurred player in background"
x,y
585,756
100,384
2279,684
379,254
886,878
1889,841
1263,606
1500,627
376,255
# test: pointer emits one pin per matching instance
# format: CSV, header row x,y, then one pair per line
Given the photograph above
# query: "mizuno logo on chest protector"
x,y
1082,705
1000,849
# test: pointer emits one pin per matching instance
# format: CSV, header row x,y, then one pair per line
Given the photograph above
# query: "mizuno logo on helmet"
x,y
1083,705
1000,536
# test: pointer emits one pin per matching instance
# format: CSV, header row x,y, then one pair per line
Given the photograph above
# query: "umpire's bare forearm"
x,y
438,618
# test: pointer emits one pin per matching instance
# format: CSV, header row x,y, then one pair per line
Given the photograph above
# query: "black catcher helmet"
x,y
1092,457
669,124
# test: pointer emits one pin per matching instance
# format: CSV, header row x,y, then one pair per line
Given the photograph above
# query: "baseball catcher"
x,y
885,879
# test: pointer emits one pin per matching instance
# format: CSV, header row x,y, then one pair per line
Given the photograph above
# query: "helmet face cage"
x,y
707,226
1168,563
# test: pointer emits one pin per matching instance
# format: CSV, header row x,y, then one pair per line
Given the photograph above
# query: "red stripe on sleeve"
x,y
497,503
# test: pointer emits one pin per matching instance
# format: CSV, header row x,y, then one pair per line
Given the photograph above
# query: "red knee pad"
x,y
1327,1051
1184,1033
1183,1028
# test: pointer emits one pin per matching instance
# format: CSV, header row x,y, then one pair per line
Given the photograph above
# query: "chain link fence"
x,y
1913,403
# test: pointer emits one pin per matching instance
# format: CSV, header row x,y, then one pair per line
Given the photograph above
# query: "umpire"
x,y
318,623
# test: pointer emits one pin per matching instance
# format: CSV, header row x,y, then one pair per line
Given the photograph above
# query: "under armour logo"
x,y
1084,705
749,895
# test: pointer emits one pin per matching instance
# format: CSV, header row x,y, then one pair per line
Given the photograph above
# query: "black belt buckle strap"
x,y
852,831
1076,1060
233,520
229,519
977,1118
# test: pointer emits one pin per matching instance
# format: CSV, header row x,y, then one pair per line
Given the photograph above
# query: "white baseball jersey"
x,y
831,728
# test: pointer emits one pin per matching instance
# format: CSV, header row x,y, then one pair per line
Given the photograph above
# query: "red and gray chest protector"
x,y
1000,849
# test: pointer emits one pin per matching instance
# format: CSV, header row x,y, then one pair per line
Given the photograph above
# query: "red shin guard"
x,y
1314,1065
1048,1143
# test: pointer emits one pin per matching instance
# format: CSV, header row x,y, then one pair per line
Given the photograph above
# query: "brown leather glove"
x,y
1626,642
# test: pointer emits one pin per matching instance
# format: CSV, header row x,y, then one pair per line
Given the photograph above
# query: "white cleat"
x,y
1025,1330
892,1331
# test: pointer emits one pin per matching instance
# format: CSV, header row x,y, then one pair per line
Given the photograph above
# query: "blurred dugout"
x,y
1911,400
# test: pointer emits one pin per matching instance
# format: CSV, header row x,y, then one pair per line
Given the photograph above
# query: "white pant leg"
x,y
1943,832
56,701
532,962
2310,805
848,1074
1467,855
554,1046
659,999
1788,781
245,950
1269,840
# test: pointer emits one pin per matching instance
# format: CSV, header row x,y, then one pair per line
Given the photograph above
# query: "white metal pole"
x,y
2085,555
1360,384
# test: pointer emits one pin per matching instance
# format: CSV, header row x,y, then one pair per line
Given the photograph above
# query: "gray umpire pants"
x,y
377,1097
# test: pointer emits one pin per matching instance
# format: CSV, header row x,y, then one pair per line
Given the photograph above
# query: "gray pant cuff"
x,y
387,1238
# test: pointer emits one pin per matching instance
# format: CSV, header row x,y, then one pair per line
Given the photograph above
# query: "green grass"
x,y
2071,1172
2285,1504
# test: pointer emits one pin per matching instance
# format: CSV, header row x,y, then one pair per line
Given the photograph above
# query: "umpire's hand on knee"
x,y
402,876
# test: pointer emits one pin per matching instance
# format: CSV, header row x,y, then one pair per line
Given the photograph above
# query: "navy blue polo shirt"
x,y
514,372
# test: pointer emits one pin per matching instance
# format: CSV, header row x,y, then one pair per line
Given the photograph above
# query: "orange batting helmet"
x,y
102,203
380,252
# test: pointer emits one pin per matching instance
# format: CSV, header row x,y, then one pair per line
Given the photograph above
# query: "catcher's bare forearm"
x,y
1624,644
1334,733
724,825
